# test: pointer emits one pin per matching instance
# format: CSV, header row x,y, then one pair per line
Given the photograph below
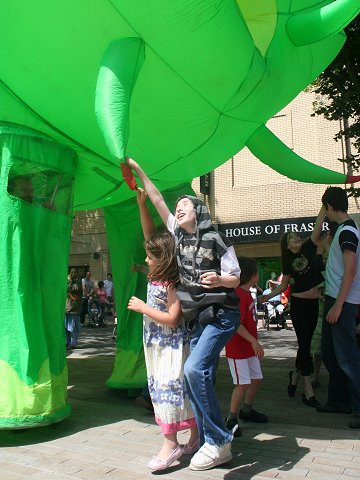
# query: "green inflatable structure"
x,y
179,86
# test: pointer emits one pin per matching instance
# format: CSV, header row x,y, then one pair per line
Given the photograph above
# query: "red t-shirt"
x,y
237,346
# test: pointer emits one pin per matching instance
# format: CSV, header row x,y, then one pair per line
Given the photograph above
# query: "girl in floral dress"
x,y
166,343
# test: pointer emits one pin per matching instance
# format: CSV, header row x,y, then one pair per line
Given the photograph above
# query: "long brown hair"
x,y
284,248
161,247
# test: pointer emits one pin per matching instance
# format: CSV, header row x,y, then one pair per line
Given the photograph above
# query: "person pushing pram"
x,y
275,307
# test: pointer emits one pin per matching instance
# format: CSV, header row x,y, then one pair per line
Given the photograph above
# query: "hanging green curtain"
x,y
36,192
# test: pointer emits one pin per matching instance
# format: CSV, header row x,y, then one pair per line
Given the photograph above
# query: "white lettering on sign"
x,y
272,229
311,226
325,227
243,231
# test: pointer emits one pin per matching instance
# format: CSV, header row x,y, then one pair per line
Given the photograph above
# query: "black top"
x,y
303,267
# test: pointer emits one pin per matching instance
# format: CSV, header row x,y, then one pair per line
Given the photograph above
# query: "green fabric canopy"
x,y
179,86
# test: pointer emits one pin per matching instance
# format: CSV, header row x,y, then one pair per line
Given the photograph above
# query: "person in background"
x,y
73,309
103,299
271,279
21,187
274,306
109,288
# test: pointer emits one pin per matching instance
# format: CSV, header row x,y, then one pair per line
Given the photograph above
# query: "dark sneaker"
x,y
232,425
328,408
253,416
355,421
310,402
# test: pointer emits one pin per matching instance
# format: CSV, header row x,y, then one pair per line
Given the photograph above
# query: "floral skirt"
x,y
166,350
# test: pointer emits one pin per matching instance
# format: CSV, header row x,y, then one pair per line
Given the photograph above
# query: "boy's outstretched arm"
x,y
155,196
147,223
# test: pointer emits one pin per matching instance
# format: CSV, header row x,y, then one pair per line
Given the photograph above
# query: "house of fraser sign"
x,y
268,230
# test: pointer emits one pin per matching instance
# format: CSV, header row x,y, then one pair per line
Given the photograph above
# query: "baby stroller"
x,y
274,315
96,318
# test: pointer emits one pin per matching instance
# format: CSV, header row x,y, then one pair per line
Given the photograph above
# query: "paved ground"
x,y
108,437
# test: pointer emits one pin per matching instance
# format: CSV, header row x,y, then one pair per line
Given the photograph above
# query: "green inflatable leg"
x,y
36,194
126,249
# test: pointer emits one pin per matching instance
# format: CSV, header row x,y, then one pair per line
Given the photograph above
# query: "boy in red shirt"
x,y
244,353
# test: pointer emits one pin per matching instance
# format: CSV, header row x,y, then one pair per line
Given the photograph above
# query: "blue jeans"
x,y
340,353
72,328
200,369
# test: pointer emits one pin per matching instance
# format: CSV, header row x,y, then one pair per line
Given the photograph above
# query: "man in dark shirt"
x,y
339,349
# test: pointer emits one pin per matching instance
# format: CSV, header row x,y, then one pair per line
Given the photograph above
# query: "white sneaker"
x,y
210,456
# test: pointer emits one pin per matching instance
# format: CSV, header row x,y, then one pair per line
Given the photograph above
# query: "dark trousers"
x,y
341,356
304,314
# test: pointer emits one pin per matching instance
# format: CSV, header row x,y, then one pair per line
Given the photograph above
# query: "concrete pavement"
x,y
108,437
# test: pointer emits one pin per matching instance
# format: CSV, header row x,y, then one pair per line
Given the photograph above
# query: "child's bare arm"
x,y
170,318
279,289
155,196
259,351
147,223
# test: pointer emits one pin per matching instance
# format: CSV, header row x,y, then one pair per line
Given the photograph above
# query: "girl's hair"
x,y
284,248
248,269
101,284
161,247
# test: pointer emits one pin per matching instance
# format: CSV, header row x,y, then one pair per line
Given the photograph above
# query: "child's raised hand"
x,y
136,305
141,196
